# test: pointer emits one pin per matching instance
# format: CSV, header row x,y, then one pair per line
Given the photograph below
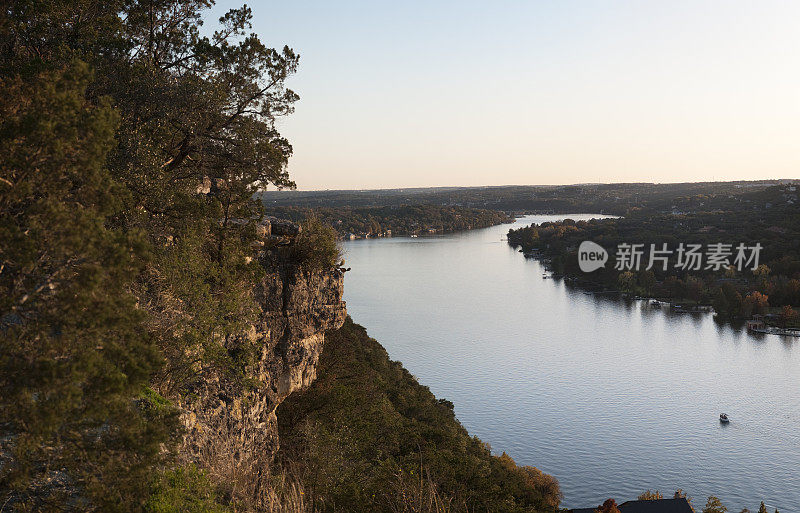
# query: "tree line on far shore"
x,y
395,220
772,287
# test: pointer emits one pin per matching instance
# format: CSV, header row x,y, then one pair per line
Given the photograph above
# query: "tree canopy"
x,y
131,145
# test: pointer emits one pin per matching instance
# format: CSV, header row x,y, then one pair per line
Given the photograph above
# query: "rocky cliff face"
x,y
231,425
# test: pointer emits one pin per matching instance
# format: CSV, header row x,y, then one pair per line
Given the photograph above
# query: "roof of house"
x,y
679,505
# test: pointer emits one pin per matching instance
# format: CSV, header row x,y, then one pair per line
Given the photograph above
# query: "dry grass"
x,y
238,461
417,493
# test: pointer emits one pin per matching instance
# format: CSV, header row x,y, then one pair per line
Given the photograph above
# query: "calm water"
x,y
611,397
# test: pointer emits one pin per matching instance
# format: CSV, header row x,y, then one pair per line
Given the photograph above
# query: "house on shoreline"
x,y
678,505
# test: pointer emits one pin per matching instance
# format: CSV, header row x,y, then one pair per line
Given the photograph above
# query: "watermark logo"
x,y
686,257
591,256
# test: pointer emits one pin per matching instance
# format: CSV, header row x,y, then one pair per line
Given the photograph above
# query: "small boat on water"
x,y
723,417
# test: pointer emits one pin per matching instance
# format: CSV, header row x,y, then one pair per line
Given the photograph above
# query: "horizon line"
x,y
580,184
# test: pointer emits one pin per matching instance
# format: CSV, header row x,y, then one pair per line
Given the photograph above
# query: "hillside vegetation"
x,y
611,198
131,145
366,436
395,220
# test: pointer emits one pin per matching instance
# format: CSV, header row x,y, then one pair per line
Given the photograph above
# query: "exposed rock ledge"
x,y
233,424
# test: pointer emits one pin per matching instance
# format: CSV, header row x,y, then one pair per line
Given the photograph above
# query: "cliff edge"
x,y
230,420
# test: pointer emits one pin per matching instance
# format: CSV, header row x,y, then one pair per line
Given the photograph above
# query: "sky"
x,y
462,93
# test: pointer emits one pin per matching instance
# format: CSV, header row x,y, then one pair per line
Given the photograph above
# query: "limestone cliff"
x,y
231,425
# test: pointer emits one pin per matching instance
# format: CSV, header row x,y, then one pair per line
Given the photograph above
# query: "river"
x,y
612,397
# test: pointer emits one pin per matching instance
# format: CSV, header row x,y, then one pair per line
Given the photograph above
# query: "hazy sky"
x,y
407,93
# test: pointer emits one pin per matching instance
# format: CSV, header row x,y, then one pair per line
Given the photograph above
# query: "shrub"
x,y
316,247
184,490
609,506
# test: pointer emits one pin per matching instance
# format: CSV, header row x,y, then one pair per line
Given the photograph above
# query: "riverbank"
x,y
768,323
759,276
371,222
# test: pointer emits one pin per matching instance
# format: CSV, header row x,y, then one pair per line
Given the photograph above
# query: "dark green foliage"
x,y
375,221
316,246
117,274
184,490
365,431
614,198
74,353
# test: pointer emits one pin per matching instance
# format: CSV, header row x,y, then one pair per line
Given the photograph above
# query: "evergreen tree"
x,y
73,355
130,151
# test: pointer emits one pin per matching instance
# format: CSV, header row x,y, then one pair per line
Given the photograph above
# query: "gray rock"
x,y
297,308
284,227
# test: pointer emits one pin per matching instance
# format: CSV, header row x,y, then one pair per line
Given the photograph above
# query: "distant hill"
x,y
595,198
